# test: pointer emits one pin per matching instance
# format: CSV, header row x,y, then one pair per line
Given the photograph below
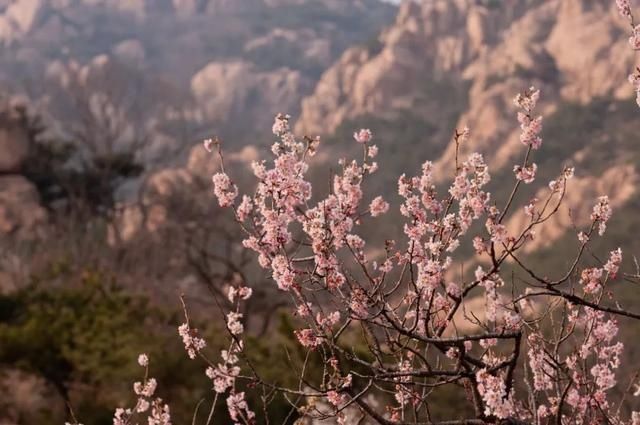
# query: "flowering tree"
x,y
544,351
406,303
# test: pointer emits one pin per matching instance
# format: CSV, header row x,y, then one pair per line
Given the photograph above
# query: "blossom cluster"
x,y
624,8
157,412
225,373
326,234
192,342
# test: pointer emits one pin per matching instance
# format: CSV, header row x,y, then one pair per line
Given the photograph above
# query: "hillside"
x,y
210,60
448,64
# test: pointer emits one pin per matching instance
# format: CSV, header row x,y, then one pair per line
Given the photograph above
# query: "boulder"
x,y
20,211
14,144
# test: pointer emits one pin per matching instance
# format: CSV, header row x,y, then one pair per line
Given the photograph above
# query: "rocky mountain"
x,y
154,76
221,58
447,64
439,65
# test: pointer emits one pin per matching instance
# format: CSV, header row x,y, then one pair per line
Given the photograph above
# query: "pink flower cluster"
x,y
327,256
527,173
531,127
601,214
540,364
363,136
494,394
158,413
624,7
634,79
239,409
378,207
308,338
598,346
192,342
225,191
634,40
593,279
226,372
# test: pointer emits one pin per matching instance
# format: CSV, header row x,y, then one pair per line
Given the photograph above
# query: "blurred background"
x,y
106,206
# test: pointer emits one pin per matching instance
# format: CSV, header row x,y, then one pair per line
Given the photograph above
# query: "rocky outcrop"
x,y
429,40
235,92
180,195
573,50
20,211
18,18
14,142
245,60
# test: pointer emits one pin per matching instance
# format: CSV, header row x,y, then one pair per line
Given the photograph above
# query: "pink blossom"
x,y
601,214
336,399
498,232
378,207
208,144
304,310
223,377
555,185
143,360
590,279
282,273
234,324
147,389
192,343
479,245
494,394
281,124
541,366
530,208
225,191
308,338
568,173
363,136
160,414
634,40
613,264
244,209
624,8
239,409
358,304
583,238
634,78
527,100
531,129
242,293
454,290
526,174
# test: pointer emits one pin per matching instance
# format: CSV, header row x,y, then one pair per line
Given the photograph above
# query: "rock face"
x,y
235,92
246,59
18,18
14,142
430,39
575,51
20,210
